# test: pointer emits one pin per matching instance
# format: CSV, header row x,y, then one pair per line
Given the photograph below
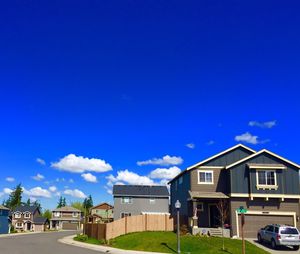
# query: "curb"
x,y
69,240
26,233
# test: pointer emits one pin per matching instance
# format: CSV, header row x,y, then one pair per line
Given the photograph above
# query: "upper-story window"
x,y
27,215
266,178
75,214
56,214
126,200
180,180
152,201
205,177
17,215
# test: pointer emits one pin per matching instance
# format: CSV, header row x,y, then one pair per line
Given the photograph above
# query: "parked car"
x,y
279,235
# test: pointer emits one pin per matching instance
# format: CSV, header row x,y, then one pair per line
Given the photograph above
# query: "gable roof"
x,y
103,204
260,152
213,157
40,220
140,190
66,209
26,208
3,207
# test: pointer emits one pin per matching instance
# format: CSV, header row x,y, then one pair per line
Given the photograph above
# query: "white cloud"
x,y
40,161
129,177
75,193
165,173
211,142
38,177
164,161
1,194
268,125
71,180
37,192
9,179
7,191
190,145
249,138
89,178
52,188
80,164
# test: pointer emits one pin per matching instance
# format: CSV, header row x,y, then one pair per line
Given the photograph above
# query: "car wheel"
x,y
259,238
296,247
273,244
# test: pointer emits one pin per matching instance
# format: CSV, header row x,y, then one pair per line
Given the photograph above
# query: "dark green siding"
x,y
287,179
229,158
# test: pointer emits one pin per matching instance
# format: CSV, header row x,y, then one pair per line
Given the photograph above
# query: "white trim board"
x,y
267,213
263,195
260,152
219,154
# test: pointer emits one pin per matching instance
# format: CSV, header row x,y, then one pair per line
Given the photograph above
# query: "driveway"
x,y
44,243
267,247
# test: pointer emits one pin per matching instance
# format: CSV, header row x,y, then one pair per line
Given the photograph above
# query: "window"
x,y
126,200
205,177
200,207
17,215
19,224
27,215
56,214
180,180
123,215
74,214
152,201
266,178
289,231
270,228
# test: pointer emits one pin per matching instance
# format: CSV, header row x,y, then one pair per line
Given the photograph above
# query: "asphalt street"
x,y
42,243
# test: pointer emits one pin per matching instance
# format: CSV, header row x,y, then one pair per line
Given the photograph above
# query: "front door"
x,y
28,226
214,217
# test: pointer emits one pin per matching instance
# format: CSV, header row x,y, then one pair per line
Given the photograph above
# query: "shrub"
x,y
184,229
82,237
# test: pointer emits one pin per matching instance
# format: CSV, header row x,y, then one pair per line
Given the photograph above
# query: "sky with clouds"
x,y
100,93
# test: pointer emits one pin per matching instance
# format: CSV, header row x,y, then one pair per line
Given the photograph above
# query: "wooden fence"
x,y
138,223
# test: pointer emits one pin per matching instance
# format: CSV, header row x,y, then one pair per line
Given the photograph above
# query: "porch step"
x,y
215,231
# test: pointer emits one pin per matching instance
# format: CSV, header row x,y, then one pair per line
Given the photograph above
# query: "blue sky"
x,y
94,87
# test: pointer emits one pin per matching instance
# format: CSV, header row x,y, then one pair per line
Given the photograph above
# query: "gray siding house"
x,y
132,200
264,183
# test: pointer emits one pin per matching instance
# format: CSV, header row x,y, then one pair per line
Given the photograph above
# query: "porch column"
x,y
195,217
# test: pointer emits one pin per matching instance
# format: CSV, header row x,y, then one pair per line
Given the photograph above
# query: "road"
x,y
42,243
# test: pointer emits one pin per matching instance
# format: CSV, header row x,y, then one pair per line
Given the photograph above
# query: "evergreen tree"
x,y
28,202
38,204
60,202
64,203
15,198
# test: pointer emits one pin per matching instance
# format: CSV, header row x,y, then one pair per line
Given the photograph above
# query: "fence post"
x,y
125,224
166,226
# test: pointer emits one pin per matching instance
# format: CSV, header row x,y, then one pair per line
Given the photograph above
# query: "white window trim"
x,y
74,214
206,171
26,215
56,214
124,203
266,186
20,224
17,215
152,201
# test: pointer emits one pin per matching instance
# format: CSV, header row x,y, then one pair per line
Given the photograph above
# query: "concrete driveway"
x,y
267,247
43,243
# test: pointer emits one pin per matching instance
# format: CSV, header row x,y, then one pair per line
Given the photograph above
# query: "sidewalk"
x,y
69,240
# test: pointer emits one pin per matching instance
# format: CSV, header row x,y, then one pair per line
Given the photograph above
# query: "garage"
x,y
69,226
255,221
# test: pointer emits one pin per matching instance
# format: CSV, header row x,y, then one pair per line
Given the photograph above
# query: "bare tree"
x,y
222,207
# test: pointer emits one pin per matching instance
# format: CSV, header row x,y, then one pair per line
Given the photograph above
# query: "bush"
x,y
81,237
184,229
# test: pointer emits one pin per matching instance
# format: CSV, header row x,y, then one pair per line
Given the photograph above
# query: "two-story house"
x,y
101,213
140,199
28,218
4,220
264,183
66,217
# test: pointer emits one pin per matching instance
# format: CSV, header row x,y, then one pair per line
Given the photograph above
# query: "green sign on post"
x,y
242,210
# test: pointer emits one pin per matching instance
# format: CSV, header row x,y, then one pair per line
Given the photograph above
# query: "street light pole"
x,y
177,206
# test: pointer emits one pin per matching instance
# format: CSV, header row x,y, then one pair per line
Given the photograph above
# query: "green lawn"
x,y
166,242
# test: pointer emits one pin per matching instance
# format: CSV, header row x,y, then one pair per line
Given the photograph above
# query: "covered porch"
x,y
206,212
